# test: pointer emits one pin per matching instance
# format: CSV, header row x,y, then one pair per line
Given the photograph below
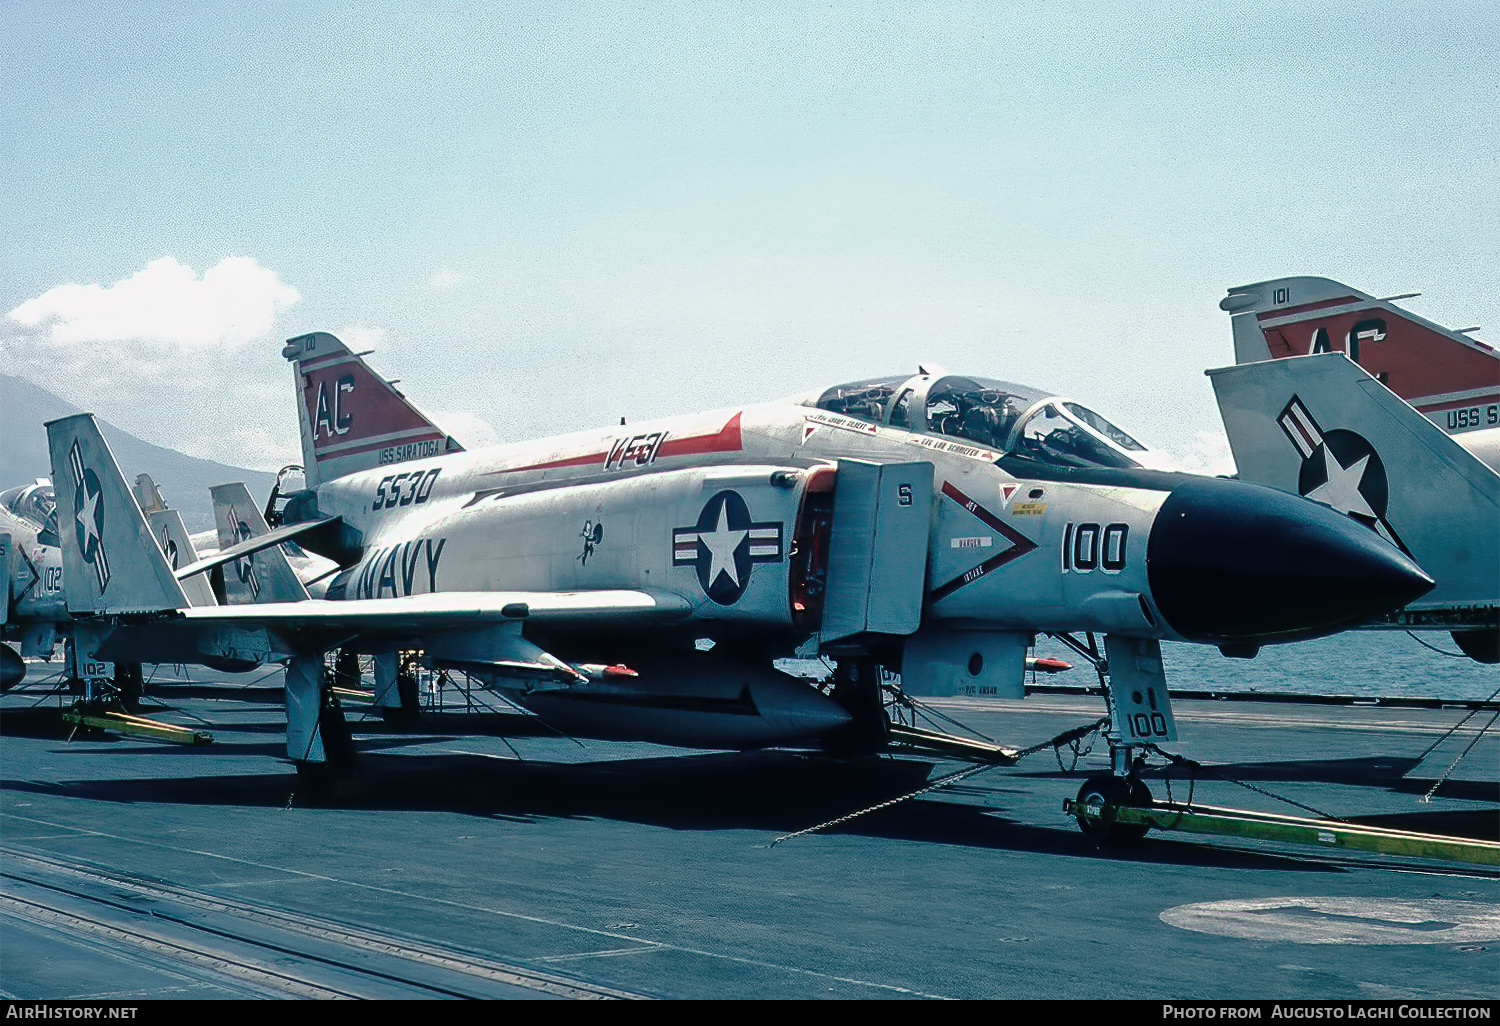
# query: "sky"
x,y
543,217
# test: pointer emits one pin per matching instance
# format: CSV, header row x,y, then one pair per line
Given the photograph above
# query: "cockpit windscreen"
x,y
864,400
1104,427
1056,434
998,415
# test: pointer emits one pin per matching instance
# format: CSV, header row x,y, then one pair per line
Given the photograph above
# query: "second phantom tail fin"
x,y
263,576
1450,378
111,563
177,546
1320,426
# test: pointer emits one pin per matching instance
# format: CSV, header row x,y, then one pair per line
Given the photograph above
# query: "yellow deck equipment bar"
x,y
135,726
1262,826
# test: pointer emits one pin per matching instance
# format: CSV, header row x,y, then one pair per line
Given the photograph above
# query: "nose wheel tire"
x,y
1107,791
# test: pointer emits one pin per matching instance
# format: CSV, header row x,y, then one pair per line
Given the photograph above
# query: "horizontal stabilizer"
x,y
250,546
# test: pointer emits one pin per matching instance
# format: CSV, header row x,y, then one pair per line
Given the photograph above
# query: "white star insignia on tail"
x,y
1341,490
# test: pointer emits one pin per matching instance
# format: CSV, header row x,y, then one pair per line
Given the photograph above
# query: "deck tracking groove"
x,y
282,934
664,946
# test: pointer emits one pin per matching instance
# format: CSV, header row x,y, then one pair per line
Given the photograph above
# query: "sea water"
x,y
1367,664
1372,664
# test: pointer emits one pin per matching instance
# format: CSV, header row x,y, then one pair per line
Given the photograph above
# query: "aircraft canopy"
x,y
998,415
36,503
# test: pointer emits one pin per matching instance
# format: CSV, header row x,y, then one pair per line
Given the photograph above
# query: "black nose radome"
x,y
1235,562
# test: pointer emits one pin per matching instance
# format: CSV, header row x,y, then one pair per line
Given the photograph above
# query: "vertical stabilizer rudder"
x,y
110,560
178,549
263,576
1450,378
1321,427
351,418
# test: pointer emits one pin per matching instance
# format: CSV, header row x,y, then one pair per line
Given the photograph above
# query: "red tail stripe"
x,y
728,439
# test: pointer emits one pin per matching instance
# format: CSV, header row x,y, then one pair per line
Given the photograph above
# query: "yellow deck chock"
x,y
351,695
1321,833
137,726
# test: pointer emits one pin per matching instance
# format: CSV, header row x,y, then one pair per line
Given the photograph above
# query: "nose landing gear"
x,y
1140,714
1098,799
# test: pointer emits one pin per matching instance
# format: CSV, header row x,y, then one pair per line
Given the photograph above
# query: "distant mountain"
x,y
183,480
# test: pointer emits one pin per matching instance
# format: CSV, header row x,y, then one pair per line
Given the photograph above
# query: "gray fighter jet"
x,y
33,611
31,603
638,582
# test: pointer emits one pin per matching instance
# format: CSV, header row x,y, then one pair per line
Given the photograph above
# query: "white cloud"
x,y
236,301
1207,453
163,326
176,358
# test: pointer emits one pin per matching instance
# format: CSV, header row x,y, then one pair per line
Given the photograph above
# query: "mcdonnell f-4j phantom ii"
x,y
927,524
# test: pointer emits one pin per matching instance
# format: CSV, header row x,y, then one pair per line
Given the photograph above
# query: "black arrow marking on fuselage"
x,y
1021,544
31,569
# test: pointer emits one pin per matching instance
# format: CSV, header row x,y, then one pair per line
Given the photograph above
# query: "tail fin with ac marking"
x,y
1450,378
353,419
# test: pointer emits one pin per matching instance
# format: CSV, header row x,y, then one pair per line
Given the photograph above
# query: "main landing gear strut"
x,y
856,687
318,738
